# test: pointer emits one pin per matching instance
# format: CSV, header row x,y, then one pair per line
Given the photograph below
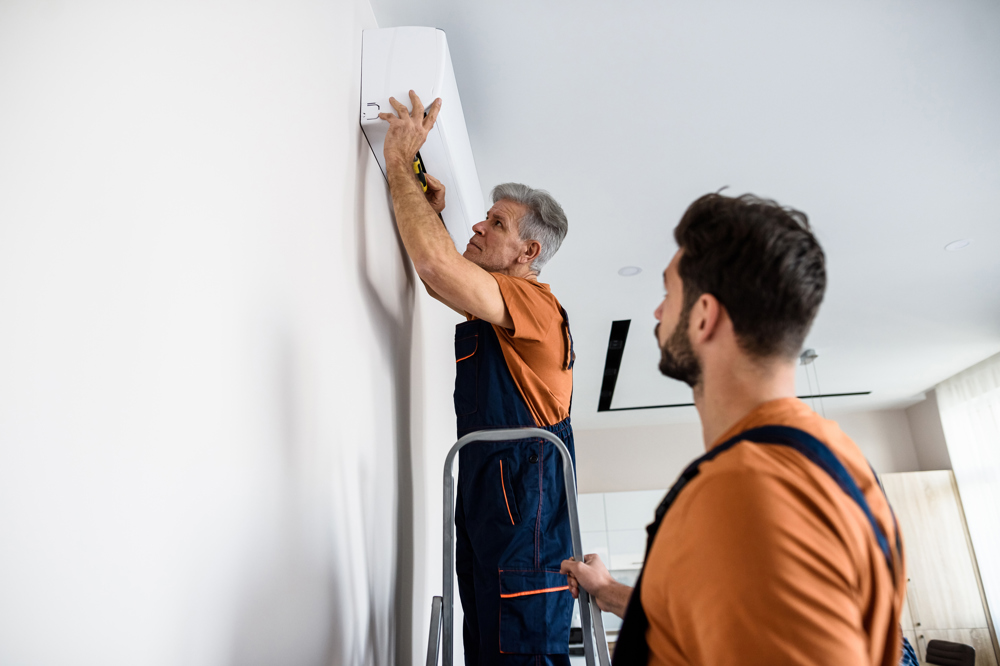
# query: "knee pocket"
x,y
536,609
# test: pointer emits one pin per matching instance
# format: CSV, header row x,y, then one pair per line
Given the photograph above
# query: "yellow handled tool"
x,y
418,168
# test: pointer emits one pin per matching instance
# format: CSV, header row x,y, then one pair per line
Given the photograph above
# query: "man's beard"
x,y
677,358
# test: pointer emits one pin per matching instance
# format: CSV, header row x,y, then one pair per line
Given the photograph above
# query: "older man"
x,y
777,546
514,360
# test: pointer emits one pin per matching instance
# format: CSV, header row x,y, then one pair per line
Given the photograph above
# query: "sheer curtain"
x,y
970,414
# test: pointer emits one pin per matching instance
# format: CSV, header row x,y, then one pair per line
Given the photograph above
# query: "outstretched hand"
x,y
408,130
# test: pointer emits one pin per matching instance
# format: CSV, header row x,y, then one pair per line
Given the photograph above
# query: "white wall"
x,y
650,457
884,437
639,458
207,356
434,433
928,434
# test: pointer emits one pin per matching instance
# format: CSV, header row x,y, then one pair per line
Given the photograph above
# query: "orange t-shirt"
x,y
537,350
764,559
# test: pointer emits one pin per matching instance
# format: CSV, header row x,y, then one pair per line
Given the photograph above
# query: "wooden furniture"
x,y
944,599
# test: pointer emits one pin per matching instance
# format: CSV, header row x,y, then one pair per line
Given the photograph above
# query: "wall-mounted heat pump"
x,y
397,60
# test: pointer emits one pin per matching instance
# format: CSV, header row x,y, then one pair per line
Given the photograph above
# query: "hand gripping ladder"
x,y
595,645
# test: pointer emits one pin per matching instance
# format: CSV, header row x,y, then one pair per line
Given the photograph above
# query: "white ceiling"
x,y
880,120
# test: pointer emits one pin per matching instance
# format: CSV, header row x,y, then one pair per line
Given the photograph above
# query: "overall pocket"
x,y
507,490
466,375
536,609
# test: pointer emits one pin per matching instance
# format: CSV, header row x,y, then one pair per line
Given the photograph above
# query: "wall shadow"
x,y
397,336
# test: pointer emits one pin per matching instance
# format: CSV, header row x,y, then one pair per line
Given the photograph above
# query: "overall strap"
x,y
570,358
631,647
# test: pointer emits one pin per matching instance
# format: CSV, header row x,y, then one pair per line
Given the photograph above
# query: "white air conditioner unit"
x,y
397,60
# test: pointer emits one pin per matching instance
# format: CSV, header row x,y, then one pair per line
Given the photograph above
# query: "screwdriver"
x,y
418,168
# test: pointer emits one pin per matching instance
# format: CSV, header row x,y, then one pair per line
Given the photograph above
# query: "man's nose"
x,y
658,311
478,227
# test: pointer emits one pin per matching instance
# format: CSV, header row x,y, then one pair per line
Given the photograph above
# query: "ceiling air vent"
x,y
613,363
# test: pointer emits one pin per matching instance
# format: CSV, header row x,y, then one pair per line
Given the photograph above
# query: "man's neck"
x,y
729,391
519,271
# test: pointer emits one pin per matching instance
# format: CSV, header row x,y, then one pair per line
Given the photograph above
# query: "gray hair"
x,y
544,222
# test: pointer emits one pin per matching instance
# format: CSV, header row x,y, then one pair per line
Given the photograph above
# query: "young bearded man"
x,y
514,368
778,546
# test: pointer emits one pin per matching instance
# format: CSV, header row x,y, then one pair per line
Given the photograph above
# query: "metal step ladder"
x,y
595,644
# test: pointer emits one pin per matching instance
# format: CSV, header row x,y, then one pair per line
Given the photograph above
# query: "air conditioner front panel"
x,y
396,60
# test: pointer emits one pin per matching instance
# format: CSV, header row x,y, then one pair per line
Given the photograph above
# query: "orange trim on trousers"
x,y
511,595
502,485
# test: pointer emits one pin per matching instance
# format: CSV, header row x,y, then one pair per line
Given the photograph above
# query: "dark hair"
x,y
761,261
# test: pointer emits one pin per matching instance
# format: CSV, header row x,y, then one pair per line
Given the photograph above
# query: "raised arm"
x,y
449,276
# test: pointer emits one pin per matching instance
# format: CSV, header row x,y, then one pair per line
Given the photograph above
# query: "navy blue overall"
x,y
631,647
511,520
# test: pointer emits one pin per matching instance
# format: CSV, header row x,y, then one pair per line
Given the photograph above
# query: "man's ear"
x,y
706,315
531,251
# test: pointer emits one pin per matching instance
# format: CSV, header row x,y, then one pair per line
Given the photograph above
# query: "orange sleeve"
x,y
533,309
752,573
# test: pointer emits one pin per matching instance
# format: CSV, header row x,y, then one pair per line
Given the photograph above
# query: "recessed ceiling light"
x,y
958,245
629,271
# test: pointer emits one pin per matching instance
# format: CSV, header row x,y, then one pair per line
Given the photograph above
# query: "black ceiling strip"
x,y
613,362
691,404
627,409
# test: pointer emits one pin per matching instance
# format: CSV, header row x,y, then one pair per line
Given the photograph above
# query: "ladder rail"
x,y
595,645
434,639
